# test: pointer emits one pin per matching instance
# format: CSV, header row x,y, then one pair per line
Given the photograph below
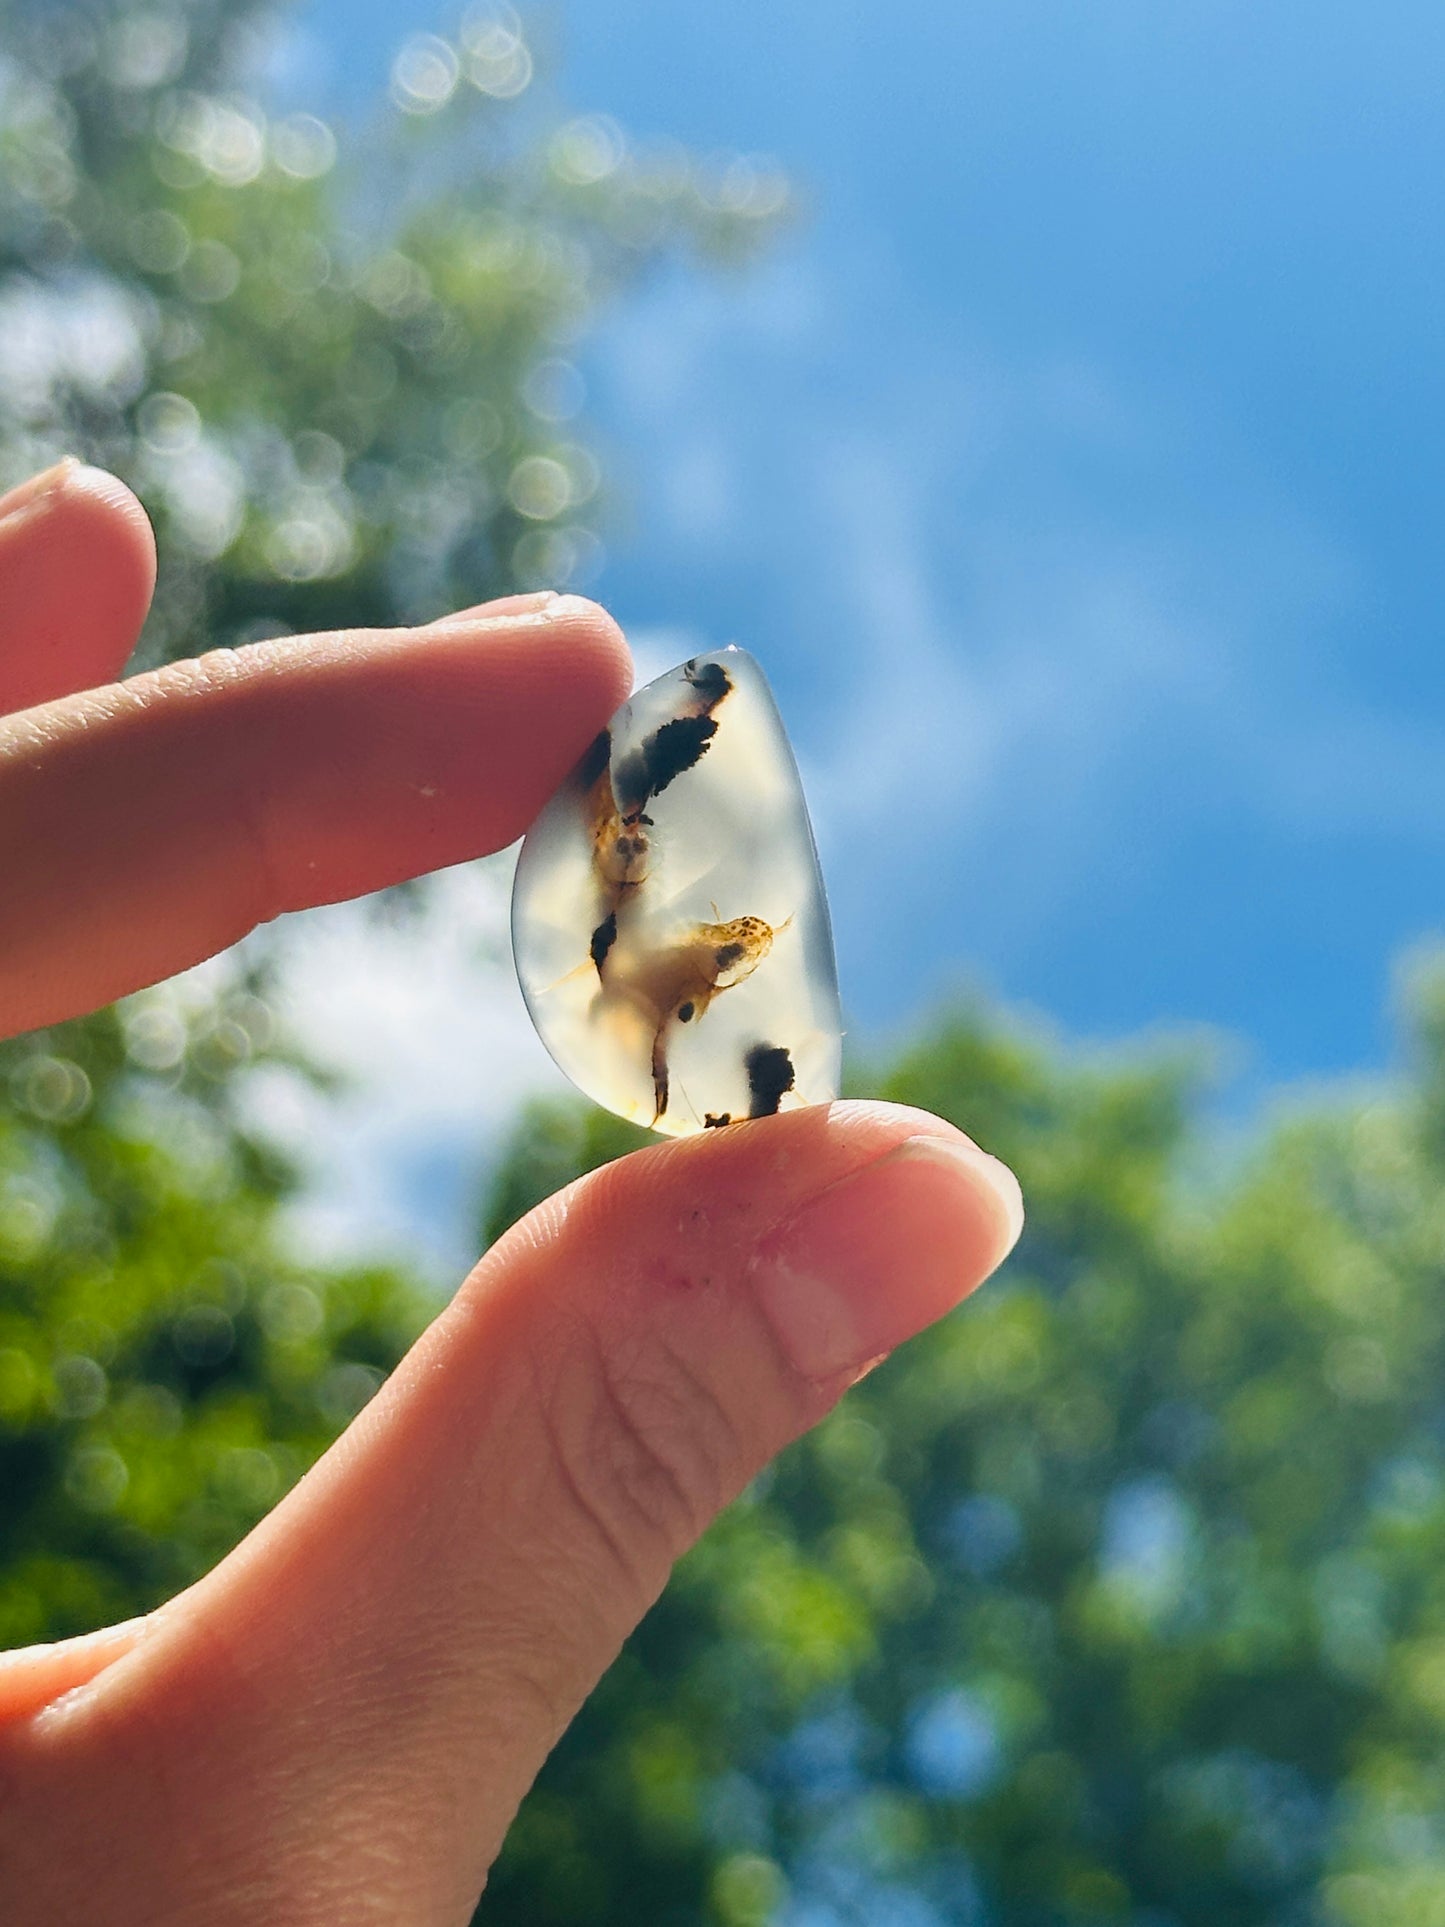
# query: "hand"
x,y
338,1723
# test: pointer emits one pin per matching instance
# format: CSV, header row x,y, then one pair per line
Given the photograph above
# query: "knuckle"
x,y
644,1448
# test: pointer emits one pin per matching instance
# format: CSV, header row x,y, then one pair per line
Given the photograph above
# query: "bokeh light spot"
x,y
303,147
586,151
554,390
81,1386
498,62
168,424
210,273
539,488
96,1478
424,74
147,49
53,1089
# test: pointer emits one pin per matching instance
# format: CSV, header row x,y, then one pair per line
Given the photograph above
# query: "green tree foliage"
x,y
166,1368
1118,1597
336,372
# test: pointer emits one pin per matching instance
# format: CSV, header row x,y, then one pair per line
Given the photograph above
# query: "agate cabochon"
x,y
668,918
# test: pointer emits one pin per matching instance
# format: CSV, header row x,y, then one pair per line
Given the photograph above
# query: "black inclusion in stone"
x,y
595,761
603,938
676,747
770,1075
630,784
672,748
711,682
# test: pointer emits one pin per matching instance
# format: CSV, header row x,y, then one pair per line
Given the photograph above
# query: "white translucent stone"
x,y
668,917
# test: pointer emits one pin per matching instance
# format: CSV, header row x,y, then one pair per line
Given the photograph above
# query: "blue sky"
x,y
1075,467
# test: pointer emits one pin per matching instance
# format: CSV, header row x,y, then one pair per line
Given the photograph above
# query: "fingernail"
x,y
886,1251
34,487
531,604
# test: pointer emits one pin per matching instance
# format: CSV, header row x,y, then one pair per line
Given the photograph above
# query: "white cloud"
x,y
422,1016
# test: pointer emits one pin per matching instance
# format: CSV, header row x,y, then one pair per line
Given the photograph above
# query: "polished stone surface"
x,y
668,917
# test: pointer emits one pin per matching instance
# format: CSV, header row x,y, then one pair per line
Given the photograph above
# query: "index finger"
x,y
148,824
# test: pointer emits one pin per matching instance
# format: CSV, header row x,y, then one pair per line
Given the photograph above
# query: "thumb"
x,y
366,1687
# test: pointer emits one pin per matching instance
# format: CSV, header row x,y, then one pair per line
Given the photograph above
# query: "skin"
x,y
338,1723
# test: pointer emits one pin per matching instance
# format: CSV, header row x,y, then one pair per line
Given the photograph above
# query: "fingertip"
x,y
546,623
987,1178
82,482
562,661
565,607
595,633
858,1223
874,1128
107,510
71,487
883,1252
78,562
872,1123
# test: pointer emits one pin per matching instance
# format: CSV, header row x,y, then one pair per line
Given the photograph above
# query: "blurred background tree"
x,y
1120,1597
166,1370
339,381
